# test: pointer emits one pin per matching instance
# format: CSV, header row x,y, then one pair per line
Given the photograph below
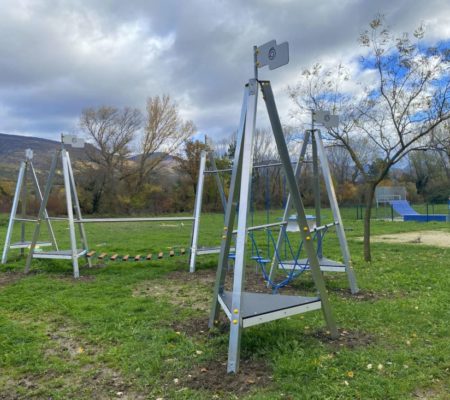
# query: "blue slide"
x,y
404,209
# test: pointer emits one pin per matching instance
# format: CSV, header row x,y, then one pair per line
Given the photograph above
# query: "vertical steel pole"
x,y
24,207
316,190
336,215
197,211
241,239
46,216
41,213
12,216
287,207
230,215
297,201
73,240
74,192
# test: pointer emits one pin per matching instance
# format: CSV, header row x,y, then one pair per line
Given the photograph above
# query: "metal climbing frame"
x,y
195,250
319,159
246,309
75,252
20,196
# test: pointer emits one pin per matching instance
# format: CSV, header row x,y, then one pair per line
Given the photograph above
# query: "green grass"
x,y
118,331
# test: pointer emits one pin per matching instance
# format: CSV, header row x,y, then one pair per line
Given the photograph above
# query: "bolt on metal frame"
x,y
245,308
20,195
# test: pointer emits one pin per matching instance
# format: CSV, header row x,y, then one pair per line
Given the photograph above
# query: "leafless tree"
x,y
406,100
111,131
164,133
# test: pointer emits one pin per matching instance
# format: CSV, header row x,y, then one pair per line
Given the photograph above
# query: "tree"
x,y
111,132
164,133
405,100
189,161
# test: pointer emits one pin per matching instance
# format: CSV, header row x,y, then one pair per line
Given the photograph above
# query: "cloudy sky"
x,y
60,56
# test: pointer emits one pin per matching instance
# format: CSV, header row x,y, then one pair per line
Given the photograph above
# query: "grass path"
x,y
138,330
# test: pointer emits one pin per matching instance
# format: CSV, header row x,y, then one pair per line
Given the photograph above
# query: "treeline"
x,y
114,181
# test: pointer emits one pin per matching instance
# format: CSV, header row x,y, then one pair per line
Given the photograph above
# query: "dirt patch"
x,y
346,339
213,377
181,293
426,238
362,295
198,327
8,278
440,390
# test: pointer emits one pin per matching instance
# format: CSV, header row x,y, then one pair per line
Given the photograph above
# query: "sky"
x,y
59,57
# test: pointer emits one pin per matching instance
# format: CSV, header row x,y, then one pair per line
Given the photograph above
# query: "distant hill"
x,y
12,152
12,148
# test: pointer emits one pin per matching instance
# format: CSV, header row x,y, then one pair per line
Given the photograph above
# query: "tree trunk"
x,y
367,215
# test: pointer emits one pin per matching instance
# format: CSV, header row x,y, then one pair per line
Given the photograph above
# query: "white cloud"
x,y
61,56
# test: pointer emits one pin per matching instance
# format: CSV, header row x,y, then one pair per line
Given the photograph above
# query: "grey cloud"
x,y
59,57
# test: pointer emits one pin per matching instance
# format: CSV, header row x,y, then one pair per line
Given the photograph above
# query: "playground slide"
x,y
403,207
408,213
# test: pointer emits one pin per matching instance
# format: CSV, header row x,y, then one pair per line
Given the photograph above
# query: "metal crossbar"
x,y
214,171
144,219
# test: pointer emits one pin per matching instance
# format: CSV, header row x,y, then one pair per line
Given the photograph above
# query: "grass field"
x,y
137,330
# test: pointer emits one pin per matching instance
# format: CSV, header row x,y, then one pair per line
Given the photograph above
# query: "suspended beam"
x,y
145,219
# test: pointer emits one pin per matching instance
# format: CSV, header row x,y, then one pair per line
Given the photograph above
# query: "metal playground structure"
x,y
243,308
79,247
295,266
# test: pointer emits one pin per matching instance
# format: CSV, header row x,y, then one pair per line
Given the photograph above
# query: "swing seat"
x,y
232,256
27,244
326,265
209,250
59,254
261,260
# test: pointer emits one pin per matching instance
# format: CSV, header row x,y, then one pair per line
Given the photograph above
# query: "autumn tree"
x,y
111,131
164,133
405,98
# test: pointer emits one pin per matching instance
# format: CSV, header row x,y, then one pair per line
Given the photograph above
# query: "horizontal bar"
x,y
214,171
25,220
322,227
144,219
264,226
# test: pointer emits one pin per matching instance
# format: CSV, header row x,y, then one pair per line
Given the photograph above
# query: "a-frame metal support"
x,y
320,162
244,308
72,204
20,195
198,207
197,212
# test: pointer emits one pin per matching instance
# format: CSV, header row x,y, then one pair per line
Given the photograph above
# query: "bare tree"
x,y
111,132
407,99
164,133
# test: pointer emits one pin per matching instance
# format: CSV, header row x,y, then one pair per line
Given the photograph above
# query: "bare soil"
x,y
252,374
363,295
8,278
426,238
346,339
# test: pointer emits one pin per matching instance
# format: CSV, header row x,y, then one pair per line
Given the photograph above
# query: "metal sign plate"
x,y
74,141
326,119
29,154
272,54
